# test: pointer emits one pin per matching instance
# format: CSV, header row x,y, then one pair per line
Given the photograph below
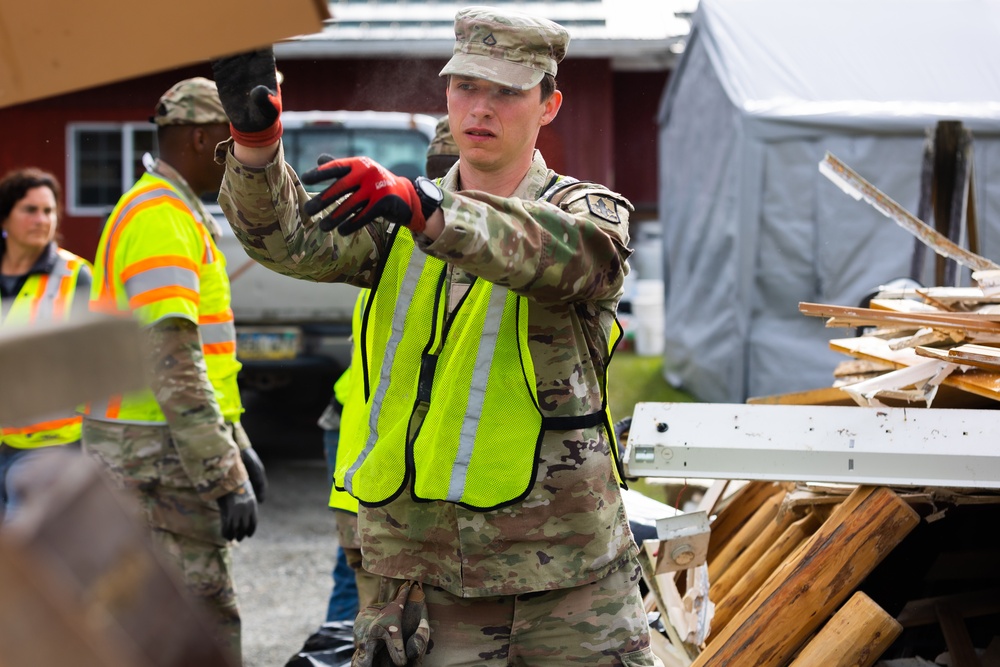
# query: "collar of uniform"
x,y
165,171
531,186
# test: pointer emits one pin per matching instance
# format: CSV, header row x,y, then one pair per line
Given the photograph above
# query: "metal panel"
x,y
886,446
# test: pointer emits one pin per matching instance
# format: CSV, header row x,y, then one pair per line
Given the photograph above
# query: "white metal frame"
x,y
885,446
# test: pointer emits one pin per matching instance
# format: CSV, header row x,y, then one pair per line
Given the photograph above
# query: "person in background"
x,y
178,445
442,152
39,282
484,463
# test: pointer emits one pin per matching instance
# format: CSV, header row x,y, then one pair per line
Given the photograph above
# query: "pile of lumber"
x,y
838,575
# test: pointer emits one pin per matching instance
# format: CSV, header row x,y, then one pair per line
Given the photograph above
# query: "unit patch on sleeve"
x,y
603,207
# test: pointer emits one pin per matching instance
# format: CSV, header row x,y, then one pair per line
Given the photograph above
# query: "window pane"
x,y
98,168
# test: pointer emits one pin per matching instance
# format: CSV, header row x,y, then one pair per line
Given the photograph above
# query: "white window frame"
x,y
127,130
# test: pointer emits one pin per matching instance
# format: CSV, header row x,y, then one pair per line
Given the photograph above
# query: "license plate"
x,y
276,344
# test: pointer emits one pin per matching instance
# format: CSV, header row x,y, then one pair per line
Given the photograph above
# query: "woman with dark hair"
x,y
39,281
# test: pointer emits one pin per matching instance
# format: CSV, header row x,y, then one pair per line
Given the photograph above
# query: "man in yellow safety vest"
x,y
178,445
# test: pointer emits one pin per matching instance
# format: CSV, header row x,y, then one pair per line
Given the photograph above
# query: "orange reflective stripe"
x,y
159,262
116,234
43,280
161,294
64,296
114,407
219,348
43,426
217,318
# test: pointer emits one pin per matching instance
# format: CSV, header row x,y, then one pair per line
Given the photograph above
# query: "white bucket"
x,y
648,317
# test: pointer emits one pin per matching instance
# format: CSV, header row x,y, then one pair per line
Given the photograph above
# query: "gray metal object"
x,y
885,446
683,541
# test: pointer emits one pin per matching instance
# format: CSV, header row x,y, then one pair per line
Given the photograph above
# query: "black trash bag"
x,y
330,646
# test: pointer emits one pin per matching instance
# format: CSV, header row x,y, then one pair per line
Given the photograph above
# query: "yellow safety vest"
x,y
349,391
156,261
46,297
479,440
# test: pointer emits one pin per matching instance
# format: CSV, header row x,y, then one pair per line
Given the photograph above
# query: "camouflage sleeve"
x,y
264,207
572,252
179,381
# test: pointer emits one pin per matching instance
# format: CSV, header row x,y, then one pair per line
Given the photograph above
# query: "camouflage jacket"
x,y
570,263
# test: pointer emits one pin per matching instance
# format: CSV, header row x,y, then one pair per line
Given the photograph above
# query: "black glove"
x,y
255,471
248,88
375,192
239,512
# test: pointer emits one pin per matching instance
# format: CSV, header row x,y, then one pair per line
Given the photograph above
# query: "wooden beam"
x,y
956,636
794,535
745,536
856,636
763,540
57,366
802,593
735,510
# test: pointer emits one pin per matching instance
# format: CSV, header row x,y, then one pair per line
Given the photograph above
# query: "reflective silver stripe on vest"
x,y
122,214
406,292
220,332
46,304
159,277
477,393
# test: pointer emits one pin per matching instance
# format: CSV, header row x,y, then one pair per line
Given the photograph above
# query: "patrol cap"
x,y
508,48
443,142
190,102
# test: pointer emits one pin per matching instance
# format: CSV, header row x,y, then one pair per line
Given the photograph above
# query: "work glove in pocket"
x,y
394,633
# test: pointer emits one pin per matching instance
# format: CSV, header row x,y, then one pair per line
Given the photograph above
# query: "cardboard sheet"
x,y
49,47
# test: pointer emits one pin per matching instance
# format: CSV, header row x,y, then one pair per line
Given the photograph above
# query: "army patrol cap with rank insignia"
x,y
190,102
507,48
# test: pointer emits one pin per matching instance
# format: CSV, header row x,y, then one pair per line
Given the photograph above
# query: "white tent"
x,y
751,228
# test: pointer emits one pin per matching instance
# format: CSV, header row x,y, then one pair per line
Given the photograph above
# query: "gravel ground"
x,y
282,573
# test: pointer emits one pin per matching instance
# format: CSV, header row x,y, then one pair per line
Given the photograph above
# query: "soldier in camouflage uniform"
x,y
178,446
442,152
540,575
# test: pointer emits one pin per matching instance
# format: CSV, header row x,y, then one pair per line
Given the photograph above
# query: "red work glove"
x,y
375,192
249,91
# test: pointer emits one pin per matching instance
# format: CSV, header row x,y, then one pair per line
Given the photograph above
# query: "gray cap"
x,y
190,102
507,48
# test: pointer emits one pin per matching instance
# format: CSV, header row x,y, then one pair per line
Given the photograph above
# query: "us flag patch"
x,y
603,207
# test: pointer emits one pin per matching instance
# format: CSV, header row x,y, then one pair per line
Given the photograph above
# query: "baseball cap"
x,y
508,48
190,102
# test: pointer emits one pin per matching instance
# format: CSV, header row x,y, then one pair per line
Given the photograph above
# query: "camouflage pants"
x,y
350,542
142,460
602,624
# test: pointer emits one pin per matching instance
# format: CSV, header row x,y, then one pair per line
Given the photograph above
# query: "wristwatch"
x,y
429,194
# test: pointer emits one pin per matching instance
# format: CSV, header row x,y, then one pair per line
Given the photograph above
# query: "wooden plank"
x,y
956,636
745,536
802,593
980,356
795,535
736,510
979,382
948,321
41,625
763,541
856,636
87,537
57,366
852,183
